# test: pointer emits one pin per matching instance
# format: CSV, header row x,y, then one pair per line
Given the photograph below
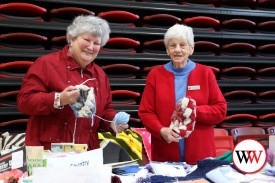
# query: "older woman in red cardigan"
x,y
168,84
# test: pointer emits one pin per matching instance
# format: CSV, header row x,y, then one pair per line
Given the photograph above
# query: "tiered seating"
x,y
237,43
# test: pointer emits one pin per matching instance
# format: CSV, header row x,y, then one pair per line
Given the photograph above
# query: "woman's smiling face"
x,y
85,48
179,50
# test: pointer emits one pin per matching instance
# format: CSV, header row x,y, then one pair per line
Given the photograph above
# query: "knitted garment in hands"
x,y
184,117
85,106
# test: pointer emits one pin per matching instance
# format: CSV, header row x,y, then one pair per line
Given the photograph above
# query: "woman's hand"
x,y
169,135
119,127
69,95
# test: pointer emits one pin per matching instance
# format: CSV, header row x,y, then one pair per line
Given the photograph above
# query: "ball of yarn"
x,y
122,118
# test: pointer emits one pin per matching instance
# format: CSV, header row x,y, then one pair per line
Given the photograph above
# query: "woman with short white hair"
x,y
181,102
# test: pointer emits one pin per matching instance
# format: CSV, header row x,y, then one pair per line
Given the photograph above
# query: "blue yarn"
x,y
122,118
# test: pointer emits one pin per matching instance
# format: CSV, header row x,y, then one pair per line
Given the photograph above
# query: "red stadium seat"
x,y
237,73
67,14
209,3
16,69
266,97
267,120
146,70
160,20
8,99
215,69
220,132
120,18
18,40
235,132
155,46
239,97
267,27
202,23
223,142
238,25
247,4
238,120
206,48
58,43
266,4
121,71
267,50
238,49
22,11
120,45
124,97
14,126
266,74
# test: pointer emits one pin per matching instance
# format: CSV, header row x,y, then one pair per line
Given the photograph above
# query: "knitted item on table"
x,y
225,174
270,171
85,106
203,167
184,117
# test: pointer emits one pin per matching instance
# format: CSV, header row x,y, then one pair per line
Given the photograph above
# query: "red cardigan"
x,y
158,103
53,73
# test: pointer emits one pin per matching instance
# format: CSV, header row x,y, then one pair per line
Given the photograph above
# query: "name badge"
x,y
195,87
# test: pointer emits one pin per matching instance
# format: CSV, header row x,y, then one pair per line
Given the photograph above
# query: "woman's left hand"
x,y
119,127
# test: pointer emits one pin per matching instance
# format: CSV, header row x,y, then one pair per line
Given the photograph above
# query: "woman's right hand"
x,y
69,95
169,135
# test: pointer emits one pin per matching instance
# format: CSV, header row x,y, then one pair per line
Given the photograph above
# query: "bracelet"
x,y
56,103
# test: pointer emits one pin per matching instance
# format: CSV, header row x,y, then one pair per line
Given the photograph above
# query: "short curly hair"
x,y
91,24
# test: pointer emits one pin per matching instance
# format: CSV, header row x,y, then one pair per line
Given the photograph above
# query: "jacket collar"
x,y
71,63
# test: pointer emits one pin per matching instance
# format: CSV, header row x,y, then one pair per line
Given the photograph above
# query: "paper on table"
x,y
86,159
168,169
17,159
72,175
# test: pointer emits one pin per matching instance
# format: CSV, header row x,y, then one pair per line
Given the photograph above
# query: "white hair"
x,y
89,24
180,31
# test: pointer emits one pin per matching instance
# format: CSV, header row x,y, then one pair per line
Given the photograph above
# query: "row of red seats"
x,y
25,11
18,69
128,45
247,4
247,120
225,141
120,97
128,97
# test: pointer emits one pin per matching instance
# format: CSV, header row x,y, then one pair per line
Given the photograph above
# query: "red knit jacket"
x,y
53,73
158,103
